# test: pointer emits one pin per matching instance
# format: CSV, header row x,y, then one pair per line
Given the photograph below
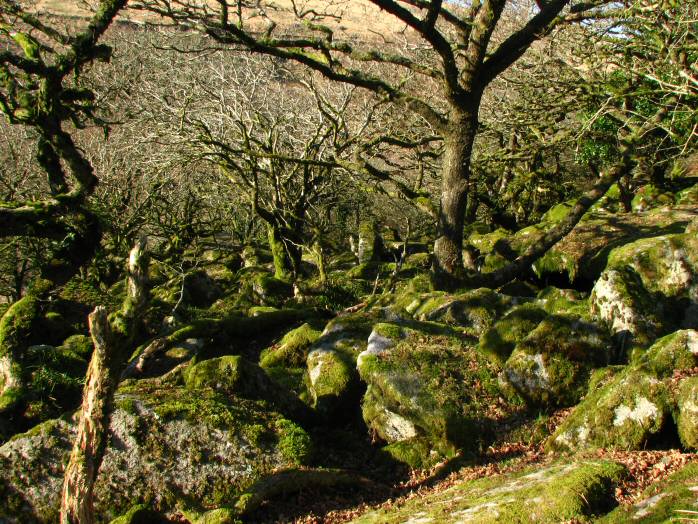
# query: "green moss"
x,y
371,270
332,379
129,405
11,397
79,344
294,444
219,516
561,492
370,242
291,379
417,453
473,311
558,212
420,260
687,196
260,310
293,348
45,429
486,242
624,414
270,290
230,375
556,262
576,339
200,405
687,423
664,263
677,351
551,366
417,285
564,301
620,300
58,359
422,305
16,324
429,385
84,292
651,196
391,331
353,326
212,409
499,341
603,376
140,514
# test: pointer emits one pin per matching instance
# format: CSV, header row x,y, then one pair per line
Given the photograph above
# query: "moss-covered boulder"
x,y
675,352
293,348
234,375
625,414
333,381
670,500
668,268
687,423
635,407
582,255
473,311
499,341
171,447
650,196
572,492
230,374
551,366
78,344
558,301
269,290
331,366
429,392
633,314
52,382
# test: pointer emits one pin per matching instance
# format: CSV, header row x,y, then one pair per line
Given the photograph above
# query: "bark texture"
x,y
112,336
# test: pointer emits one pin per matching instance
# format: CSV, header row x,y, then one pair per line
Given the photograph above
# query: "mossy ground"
x,y
671,500
435,376
565,491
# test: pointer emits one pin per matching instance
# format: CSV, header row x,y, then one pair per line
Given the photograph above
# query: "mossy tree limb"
x,y
38,68
112,336
618,170
15,327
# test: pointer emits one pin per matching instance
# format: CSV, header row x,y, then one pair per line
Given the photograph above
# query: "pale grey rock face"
x,y
150,457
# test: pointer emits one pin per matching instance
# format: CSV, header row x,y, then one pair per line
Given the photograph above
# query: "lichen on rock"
x,y
500,340
574,491
426,384
170,446
632,313
635,405
551,366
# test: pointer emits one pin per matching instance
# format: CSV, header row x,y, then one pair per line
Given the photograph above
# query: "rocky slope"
x,y
245,391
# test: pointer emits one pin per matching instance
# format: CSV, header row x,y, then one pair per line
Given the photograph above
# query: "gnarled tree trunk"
x,y
455,181
112,337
